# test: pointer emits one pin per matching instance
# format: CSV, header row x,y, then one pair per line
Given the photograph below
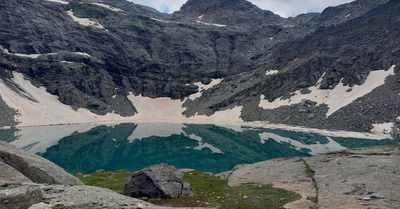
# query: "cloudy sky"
x,y
284,8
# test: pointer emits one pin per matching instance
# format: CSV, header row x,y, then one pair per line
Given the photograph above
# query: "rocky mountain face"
x,y
334,70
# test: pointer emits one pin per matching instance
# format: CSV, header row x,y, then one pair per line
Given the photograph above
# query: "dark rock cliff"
x,y
145,52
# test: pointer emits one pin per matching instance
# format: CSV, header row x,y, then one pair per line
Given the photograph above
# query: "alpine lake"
x,y
85,148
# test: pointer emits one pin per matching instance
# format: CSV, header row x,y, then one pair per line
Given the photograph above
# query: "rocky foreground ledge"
x,y
358,178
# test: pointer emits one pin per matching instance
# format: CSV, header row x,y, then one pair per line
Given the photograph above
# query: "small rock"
x,y
376,196
85,176
366,199
245,197
100,171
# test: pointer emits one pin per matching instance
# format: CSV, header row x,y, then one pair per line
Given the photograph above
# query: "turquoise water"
x,y
88,147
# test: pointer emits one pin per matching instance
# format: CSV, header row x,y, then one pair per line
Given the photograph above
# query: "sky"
x,y
284,8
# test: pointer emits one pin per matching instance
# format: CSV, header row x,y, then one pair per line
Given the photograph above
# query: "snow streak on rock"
x,y
336,98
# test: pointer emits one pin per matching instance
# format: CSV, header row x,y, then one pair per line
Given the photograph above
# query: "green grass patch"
x,y
209,191
212,191
111,180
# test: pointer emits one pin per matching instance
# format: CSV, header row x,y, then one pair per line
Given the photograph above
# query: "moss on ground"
x,y
110,180
209,191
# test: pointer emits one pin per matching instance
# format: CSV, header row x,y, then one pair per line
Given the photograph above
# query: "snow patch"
x,y
271,72
335,98
314,148
167,110
383,128
108,7
59,1
202,87
34,56
84,21
211,24
39,107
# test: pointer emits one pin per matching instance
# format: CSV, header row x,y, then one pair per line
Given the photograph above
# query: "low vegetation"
x,y
209,191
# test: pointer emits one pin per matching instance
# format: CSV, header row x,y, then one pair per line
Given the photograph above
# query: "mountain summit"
x,y
228,12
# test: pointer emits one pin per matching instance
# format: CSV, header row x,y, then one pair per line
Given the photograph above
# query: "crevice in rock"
x,y
310,173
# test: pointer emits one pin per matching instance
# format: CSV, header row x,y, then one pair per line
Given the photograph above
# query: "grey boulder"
x,y
36,168
157,181
21,197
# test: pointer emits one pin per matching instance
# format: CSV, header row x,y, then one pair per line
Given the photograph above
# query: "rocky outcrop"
x,y
10,176
20,197
157,181
356,178
37,169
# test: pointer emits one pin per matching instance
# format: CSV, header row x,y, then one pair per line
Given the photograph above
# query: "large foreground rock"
x,y
357,178
157,181
36,168
20,197
287,173
10,176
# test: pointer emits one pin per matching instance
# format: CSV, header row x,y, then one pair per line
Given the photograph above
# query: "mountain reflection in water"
x,y
85,148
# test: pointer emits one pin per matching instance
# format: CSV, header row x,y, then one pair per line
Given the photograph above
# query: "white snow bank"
x,y
84,21
167,110
108,7
202,87
315,148
212,24
48,109
383,128
59,1
335,98
45,109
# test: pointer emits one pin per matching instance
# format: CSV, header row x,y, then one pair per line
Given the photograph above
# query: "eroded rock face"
x,y
20,197
10,176
36,168
157,181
